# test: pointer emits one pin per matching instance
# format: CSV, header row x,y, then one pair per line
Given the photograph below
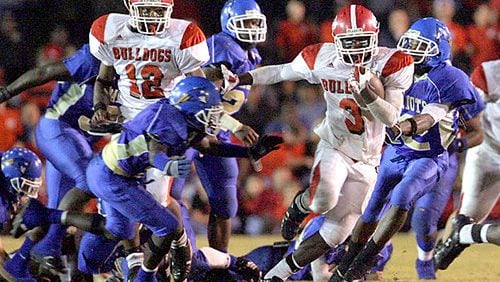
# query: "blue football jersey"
x,y
71,100
223,48
443,84
469,111
127,153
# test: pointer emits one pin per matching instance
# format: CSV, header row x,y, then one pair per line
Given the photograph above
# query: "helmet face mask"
x,y
28,187
150,17
210,119
23,171
428,41
419,47
355,32
243,20
200,101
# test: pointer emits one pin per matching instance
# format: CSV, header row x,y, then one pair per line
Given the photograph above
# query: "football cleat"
x,y
426,270
290,224
32,214
448,251
180,261
49,266
273,279
247,269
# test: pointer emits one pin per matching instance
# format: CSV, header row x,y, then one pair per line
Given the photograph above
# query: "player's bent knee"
x,y
421,223
225,209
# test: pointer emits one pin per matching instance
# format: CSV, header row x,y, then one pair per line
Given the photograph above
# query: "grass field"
x,y
477,263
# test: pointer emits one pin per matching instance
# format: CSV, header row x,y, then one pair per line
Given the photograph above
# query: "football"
x,y
375,85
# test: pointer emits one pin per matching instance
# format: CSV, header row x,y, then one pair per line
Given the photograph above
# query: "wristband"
x,y
413,125
230,123
5,93
100,106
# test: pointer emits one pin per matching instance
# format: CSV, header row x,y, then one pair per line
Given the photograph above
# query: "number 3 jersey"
x,y
347,127
443,84
147,65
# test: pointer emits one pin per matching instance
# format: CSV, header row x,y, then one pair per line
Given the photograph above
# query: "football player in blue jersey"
x,y
158,136
20,175
59,134
416,157
243,26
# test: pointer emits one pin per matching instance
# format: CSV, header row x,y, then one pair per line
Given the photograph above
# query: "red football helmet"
x,y
150,16
355,34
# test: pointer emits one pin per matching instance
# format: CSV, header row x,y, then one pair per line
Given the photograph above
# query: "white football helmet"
x,y
150,16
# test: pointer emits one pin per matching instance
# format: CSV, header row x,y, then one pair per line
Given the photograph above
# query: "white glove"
x,y
178,168
231,80
359,78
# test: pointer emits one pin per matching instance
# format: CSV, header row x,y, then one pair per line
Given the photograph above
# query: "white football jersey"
x,y
487,79
147,65
347,127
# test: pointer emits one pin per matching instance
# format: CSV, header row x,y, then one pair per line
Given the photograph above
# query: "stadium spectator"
x,y
445,10
484,36
294,33
10,126
15,56
398,23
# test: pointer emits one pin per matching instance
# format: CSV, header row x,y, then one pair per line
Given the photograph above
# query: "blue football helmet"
x,y
200,100
243,20
23,171
429,42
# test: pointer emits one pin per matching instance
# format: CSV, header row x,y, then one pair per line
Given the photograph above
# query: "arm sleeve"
x,y
98,46
274,74
82,65
436,111
193,51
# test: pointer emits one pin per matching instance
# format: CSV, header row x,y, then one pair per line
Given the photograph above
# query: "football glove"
x,y
392,134
264,146
105,128
230,81
178,168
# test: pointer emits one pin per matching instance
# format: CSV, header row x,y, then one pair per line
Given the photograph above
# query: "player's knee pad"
x,y
422,222
323,198
95,253
124,230
225,207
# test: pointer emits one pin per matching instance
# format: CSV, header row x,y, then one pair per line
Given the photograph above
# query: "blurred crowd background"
x,y
37,32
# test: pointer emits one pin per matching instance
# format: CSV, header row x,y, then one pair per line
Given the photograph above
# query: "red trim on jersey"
x,y
98,28
478,78
314,183
310,53
193,35
396,62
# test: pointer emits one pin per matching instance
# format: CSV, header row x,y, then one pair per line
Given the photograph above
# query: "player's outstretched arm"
x,y
474,135
263,146
103,86
35,77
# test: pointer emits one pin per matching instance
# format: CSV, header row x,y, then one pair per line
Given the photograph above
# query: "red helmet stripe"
x,y
354,24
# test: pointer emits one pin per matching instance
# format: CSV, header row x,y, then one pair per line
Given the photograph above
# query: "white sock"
x,y
484,231
281,270
424,255
134,259
147,269
465,235
215,258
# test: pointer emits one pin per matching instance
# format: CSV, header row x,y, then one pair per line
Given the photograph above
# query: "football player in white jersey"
x,y
481,177
149,52
352,132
